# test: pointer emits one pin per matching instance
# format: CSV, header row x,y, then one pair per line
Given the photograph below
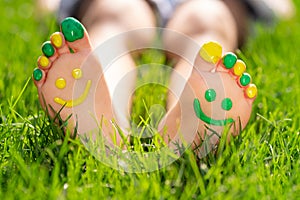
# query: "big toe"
x,y
75,34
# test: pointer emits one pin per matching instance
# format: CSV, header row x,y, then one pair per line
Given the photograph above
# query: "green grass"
x,y
37,163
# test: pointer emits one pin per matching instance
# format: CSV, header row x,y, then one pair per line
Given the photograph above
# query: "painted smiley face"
x,y
237,84
60,83
210,96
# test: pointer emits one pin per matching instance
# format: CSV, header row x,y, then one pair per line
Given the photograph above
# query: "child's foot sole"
x,y
69,80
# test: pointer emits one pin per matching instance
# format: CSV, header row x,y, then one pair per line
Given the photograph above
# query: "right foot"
x,y
212,101
70,81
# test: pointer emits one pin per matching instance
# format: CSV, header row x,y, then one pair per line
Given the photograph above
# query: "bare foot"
x,y
219,99
224,96
70,81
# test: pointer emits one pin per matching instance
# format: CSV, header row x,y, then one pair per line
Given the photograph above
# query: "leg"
x,y
201,21
105,19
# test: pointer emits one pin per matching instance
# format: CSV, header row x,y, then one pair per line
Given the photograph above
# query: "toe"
x,y
239,68
244,80
58,41
211,52
38,77
75,34
251,92
229,60
43,62
47,49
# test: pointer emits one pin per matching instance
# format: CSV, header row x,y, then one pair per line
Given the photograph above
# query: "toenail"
x,y
239,68
37,74
245,79
229,60
57,40
60,83
226,104
48,49
77,73
251,91
210,95
72,29
43,61
211,52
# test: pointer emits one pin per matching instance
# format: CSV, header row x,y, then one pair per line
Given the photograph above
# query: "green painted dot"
x,y
37,74
48,49
229,60
72,29
210,95
226,104
245,79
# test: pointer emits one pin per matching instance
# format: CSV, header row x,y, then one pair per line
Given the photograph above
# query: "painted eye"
x,y
60,83
77,73
226,104
210,95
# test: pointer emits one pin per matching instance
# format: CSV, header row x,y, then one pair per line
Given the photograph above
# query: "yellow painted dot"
x,y
77,73
251,91
43,61
211,52
57,40
239,68
60,83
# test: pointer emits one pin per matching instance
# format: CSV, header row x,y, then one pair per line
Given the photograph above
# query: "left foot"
x,y
70,81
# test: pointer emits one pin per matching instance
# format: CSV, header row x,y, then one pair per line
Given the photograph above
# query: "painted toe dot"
x,y
57,40
251,91
245,79
211,52
60,83
77,73
48,49
229,60
43,61
72,29
37,74
239,68
210,95
226,104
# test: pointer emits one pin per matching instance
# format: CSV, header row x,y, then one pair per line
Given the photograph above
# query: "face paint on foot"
x,y
225,95
61,83
210,96
77,101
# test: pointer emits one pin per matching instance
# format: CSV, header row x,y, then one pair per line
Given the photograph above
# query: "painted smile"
x,y
201,115
75,102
